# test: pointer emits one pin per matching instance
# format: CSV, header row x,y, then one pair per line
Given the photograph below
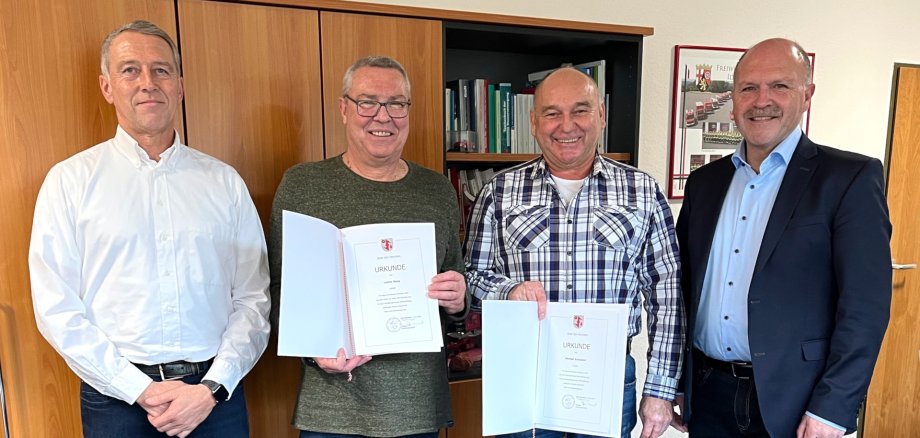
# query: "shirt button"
x,y
569,221
729,348
737,250
731,283
568,253
568,286
744,218
726,317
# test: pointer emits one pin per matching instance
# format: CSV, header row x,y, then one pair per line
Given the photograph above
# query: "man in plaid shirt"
x,y
574,226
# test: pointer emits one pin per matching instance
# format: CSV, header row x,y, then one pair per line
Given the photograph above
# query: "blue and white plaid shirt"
x,y
614,240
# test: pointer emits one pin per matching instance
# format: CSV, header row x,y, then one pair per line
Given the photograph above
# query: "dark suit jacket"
x,y
820,295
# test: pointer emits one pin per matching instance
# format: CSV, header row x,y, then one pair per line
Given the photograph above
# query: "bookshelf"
x,y
508,53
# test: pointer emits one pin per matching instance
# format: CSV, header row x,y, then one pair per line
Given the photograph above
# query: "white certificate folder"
x,y
563,373
362,288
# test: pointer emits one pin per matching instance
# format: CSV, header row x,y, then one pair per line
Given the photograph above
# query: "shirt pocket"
x,y
527,227
614,227
210,257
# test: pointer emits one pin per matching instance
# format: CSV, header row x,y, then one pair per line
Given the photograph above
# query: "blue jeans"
x,y
308,434
107,417
629,410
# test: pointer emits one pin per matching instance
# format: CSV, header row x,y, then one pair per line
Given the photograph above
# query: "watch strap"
x,y
218,391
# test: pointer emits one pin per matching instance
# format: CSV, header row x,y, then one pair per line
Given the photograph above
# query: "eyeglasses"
x,y
370,108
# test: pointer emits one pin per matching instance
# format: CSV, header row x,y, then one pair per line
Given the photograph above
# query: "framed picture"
x,y
702,130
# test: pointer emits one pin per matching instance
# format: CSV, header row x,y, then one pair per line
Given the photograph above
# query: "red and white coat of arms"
x,y
386,244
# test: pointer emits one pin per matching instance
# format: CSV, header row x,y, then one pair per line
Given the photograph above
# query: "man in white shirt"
x,y
148,262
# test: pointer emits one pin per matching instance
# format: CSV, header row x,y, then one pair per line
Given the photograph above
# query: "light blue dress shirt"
x,y
721,330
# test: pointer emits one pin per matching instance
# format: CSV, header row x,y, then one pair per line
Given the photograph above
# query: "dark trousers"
x,y
107,417
724,406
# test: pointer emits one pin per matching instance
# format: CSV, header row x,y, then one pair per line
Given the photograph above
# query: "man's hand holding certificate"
x,y
362,289
564,372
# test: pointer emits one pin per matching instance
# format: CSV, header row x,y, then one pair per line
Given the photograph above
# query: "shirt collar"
x,y
540,168
783,151
130,149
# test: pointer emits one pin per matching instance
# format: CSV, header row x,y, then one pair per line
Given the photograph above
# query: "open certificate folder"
x,y
362,288
563,373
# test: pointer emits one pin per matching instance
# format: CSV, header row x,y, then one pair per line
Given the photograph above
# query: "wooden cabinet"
x,y
508,53
416,44
50,109
252,89
466,401
253,99
261,80
262,95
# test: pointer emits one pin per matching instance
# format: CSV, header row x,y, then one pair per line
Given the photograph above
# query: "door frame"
x,y
892,110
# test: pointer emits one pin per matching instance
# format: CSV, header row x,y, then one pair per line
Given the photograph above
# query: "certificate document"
x,y
362,288
564,373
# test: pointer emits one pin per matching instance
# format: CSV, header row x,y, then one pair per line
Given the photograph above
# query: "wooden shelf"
x,y
462,157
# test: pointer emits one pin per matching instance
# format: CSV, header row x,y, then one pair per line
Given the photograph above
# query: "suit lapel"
x,y
799,172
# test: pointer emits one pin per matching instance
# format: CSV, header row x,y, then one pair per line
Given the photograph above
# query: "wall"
x,y
855,46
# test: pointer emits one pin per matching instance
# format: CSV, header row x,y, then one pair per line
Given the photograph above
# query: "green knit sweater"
x,y
393,394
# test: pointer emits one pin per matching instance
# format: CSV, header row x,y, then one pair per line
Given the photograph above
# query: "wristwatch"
x,y
217,390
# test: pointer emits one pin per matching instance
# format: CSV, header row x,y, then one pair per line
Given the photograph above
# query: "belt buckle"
x,y
163,374
735,373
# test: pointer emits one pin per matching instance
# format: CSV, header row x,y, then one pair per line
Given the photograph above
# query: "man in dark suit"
x,y
786,267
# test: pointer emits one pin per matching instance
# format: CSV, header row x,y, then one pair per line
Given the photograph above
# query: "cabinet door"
x,y
466,399
50,109
252,86
416,44
252,89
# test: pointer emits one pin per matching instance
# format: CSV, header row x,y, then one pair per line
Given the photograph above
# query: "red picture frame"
x,y
701,127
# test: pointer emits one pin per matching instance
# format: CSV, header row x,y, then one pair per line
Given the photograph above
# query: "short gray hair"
x,y
375,61
142,27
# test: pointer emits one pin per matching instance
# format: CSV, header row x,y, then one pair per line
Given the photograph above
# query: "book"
x,y
504,89
361,288
492,121
562,373
459,92
465,185
481,113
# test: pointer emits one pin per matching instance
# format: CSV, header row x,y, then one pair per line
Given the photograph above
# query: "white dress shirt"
x,y
133,260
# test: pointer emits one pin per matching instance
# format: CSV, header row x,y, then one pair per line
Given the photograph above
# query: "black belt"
x,y
740,370
175,370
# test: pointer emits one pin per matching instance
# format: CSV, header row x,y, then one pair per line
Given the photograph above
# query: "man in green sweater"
x,y
394,394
